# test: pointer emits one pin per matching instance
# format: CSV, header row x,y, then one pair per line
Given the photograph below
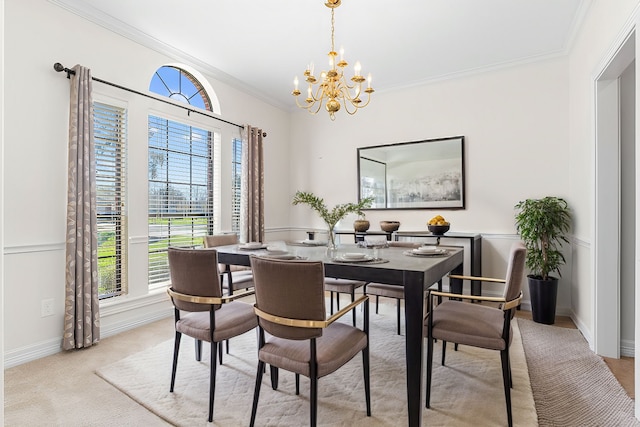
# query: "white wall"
x,y
2,86
38,34
602,25
515,123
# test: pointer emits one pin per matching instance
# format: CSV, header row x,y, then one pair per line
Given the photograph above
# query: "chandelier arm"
x,y
356,107
366,103
317,109
347,93
346,108
306,107
317,99
318,95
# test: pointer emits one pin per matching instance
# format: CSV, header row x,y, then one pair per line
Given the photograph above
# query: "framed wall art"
x,y
426,174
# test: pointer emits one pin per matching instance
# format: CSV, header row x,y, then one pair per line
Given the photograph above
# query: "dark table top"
x,y
433,268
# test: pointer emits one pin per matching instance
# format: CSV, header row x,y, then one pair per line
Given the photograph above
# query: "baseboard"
x,y
32,352
627,348
115,318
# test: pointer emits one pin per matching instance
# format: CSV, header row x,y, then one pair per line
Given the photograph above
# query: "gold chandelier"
x,y
333,88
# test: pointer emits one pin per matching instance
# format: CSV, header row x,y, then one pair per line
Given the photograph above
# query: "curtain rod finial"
x,y
58,67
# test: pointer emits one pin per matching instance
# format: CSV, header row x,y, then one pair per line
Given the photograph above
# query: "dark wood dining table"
x,y
415,274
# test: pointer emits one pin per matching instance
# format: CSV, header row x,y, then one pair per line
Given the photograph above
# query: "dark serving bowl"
x,y
438,230
389,226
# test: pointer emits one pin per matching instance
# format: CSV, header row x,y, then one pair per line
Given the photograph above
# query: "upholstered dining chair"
x,y
232,277
336,286
201,311
460,321
390,291
294,332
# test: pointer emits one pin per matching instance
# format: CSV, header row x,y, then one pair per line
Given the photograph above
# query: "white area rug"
x,y
466,392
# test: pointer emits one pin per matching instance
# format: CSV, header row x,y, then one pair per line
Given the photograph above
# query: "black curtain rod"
x,y
59,68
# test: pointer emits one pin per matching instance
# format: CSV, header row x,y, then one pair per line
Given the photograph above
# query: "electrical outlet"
x,y
47,307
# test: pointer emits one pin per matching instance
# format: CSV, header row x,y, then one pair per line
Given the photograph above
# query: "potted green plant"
x,y
543,225
331,217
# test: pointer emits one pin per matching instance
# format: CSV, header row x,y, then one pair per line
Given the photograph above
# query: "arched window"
x,y
180,85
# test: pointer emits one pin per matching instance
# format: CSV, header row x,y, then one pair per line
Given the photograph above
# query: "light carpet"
x,y
572,386
466,392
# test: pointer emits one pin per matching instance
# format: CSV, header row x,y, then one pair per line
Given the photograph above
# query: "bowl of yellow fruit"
x,y
438,225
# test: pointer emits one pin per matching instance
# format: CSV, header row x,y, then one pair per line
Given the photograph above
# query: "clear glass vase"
x,y
332,248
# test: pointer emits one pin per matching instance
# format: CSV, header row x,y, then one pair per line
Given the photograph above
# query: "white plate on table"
x,y
313,242
252,246
354,257
276,251
427,250
285,256
437,252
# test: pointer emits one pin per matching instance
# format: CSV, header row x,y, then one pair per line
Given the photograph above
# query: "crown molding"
x,y
112,24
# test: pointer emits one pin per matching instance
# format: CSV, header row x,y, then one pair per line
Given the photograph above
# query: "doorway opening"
x,y
615,216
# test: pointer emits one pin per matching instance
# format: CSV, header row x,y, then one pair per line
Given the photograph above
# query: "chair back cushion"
x,y
220,240
515,271
194,272
223,240
290,289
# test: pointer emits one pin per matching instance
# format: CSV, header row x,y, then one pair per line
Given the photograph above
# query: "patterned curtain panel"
x,y
252,194
81,315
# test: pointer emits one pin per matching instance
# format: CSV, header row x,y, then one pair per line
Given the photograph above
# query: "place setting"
x,y
309,242
252,246
427,251
280,251
358,258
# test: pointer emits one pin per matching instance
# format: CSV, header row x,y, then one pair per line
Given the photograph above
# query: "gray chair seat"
x,y
480,327
338,344
342,286
231,320
387,291
240,279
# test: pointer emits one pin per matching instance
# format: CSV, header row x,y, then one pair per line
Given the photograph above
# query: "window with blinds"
x,y
110,150
180,190
236,184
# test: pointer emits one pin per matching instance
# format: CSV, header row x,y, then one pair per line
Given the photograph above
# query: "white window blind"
x,y
236,181
180,190
110,148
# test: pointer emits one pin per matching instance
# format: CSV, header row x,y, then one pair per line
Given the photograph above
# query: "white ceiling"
x,y
259,45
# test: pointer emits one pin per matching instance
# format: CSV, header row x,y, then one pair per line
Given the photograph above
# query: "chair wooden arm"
x,y
208,300
302,323
481,279
506,305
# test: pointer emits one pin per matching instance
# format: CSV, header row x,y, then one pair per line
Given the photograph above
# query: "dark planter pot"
x,y
544,294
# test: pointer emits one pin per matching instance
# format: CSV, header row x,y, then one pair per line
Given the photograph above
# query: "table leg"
x,y
414,312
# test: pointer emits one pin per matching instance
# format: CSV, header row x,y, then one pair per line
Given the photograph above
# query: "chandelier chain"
x,y
333,29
